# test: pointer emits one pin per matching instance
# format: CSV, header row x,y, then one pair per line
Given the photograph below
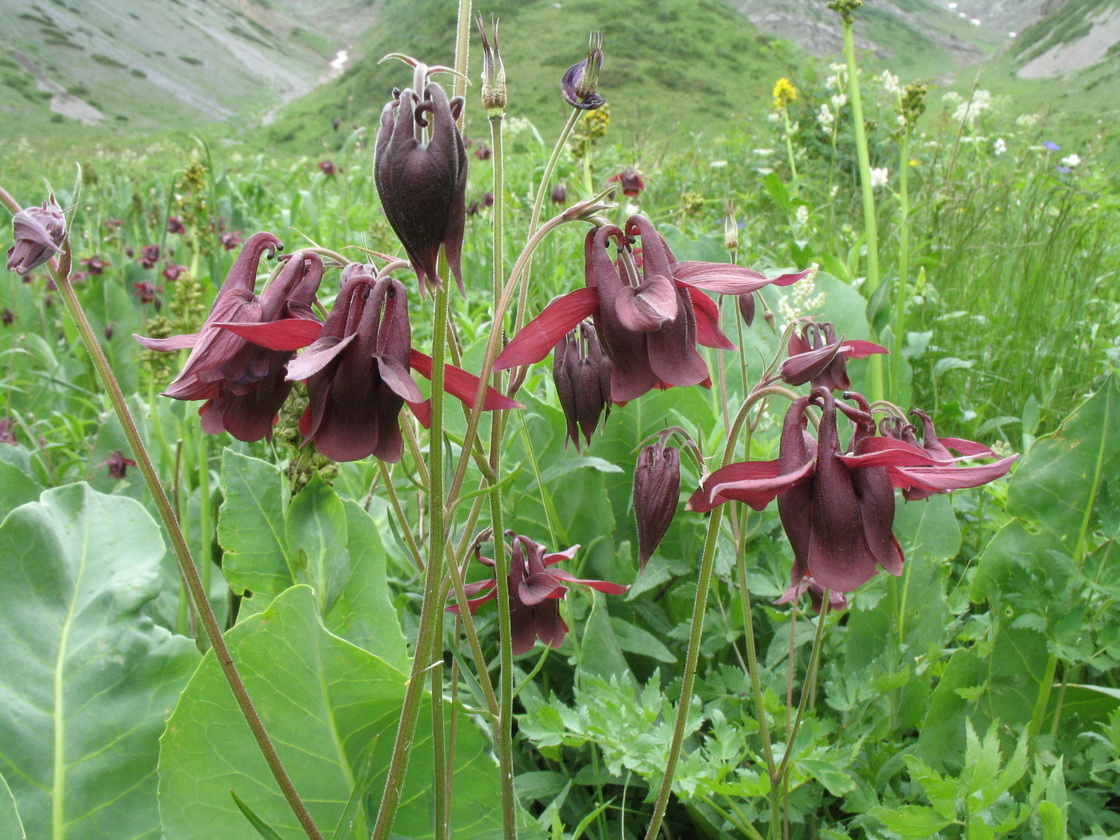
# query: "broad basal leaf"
x,y
86,679
325,703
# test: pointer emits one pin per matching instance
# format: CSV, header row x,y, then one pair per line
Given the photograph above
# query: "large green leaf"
x,y
10,826
87,678
16,486
251,527
1061,476
325,702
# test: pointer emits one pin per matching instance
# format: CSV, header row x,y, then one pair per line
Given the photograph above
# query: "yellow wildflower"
x,y
784,93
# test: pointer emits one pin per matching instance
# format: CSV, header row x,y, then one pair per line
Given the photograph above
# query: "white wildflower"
x,y
801,300
879,176
801,216
999,147
839,100
718,164
825,118
774,117
952,99
1027,120
1072,160
974,21
763,152
835,189
890,82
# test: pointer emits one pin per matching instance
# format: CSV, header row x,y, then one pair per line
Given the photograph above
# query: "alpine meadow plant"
x,y
395,631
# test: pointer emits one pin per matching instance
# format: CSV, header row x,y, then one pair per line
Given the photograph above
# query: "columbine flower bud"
x,y
582,374
730,228
493,73
657,487
580,84
38,233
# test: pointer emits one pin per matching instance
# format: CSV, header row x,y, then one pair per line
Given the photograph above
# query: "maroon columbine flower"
x,y
649,325
559,193
230,240
818,356
630,181
657,487
118,464
837,508
149,256
583,381
146,291
483,152
580,83
358,367
535,591
244,383
175,225
38,233
7,317
423,188
96,265
327,167
173,272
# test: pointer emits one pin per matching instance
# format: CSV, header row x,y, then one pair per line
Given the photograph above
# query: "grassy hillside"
x,y
671,69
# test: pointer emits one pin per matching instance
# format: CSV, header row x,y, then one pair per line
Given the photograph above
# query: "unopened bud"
x,y
582,374
657,487
580,84
38,233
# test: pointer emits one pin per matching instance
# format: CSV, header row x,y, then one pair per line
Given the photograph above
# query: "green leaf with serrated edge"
x,y
260,826
251,528
315,535
89,679
10,826
363,613
325,703
941,792
910,820
600,653
1059,480
634,639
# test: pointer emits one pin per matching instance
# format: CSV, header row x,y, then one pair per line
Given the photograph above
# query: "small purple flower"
x,y
118,464
175,225
146,291
535,591
38,233
96,265
230,240
173,272
559,193
1050,145
630,180
483,152
327,167
149,256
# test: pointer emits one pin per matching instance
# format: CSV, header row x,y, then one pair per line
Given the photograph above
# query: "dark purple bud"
x,y
327,167
38,233
747,308
109,329
118,464
657,487
559,194
7,318
336,122
488,200
423,187
580,84
583,381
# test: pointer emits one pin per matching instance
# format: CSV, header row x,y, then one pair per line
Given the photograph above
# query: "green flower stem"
x,y
501,562
752,654
60,271
205,526
433,572
898,319
789,148
810,680
870,227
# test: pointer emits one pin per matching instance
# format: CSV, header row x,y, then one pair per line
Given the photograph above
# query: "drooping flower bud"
x,y
582,373
423,187
493,73
559,193
580,84
657,486
38,233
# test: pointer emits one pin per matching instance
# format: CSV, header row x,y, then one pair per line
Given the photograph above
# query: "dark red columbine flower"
x,y
149,256
146,291
173,272
818,356
327,167
118,464
580,83
423,188
357,368
559,193
657,488
96,265
630,180
583,381
243,383
175,225
7,317
39,233
649,325
837,508
535,591
230,239
483,152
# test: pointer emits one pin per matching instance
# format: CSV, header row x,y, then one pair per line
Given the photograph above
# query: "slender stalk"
x,y
898,319
752,655
60,272
501,562
870,226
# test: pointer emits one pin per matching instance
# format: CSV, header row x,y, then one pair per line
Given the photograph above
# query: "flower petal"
x,y
729,279
539,336
317,356
942,479
856,349
167,345
708,332
285,334
461,384
600,585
